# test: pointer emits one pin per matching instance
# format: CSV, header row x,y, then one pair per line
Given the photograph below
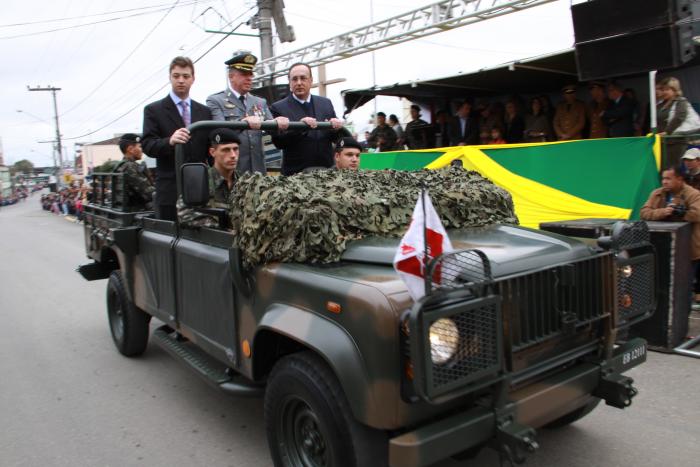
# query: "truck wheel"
x,y
128,323
575,415
309,422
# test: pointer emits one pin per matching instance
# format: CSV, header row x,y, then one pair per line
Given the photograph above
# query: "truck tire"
x,y
309,422
127,323
574,415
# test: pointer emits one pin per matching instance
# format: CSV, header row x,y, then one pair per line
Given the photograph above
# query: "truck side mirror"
x,y
195,184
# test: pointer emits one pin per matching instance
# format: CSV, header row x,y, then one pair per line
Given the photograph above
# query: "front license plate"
x,y
634,356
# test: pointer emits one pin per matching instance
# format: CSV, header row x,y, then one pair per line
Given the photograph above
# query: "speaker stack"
x,y
668,326
622,37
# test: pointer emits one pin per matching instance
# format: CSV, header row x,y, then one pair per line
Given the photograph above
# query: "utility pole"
x,y
59,146
265,26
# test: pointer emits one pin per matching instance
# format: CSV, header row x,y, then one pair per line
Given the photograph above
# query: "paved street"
x,y
67,398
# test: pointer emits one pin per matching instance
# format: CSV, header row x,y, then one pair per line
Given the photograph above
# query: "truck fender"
x,y
332,343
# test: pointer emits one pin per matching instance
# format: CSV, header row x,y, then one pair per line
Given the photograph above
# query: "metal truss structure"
x,y
421,22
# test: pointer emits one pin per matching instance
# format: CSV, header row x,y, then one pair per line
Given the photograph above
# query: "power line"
x,y
129,55
94,15
76,26
150,96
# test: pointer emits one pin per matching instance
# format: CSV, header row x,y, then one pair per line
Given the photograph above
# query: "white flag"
x,y
410,260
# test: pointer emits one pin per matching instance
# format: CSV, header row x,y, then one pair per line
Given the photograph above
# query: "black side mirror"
x,y
195,184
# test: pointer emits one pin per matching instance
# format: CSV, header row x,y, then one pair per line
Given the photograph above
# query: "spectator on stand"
x,y
619,116
497,136
465,127
570,116
382,138
598,104
418,131
680,120
691,160
398,129
514,124
537,125
442,129
632,96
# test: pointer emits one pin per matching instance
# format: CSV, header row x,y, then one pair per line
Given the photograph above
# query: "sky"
x,y
110,58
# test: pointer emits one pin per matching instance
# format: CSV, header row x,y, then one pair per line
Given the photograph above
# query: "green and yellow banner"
x,y
603,178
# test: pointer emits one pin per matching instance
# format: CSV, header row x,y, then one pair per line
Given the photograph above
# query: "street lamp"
x,y
33,116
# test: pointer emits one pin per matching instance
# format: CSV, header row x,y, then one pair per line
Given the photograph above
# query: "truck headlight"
x,y
444,340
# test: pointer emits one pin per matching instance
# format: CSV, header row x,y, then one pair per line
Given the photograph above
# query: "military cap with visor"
x,y
243,61
223,136
347,142
569,88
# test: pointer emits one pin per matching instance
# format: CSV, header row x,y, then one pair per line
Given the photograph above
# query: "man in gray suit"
x,y
236,103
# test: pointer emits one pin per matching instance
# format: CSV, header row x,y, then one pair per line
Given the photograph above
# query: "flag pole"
x,y
428,280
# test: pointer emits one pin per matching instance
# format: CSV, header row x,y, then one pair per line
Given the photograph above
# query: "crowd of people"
x,y
611,111
68,201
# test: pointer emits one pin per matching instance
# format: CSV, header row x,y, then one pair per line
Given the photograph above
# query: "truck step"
x,y
210,369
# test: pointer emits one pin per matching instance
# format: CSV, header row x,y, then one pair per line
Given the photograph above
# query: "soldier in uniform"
x,y
383,137
347,154
596,107
138,185
236,103
570,117
224,147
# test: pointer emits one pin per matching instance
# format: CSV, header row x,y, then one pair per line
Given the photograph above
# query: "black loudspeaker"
x,y
620,37
668,326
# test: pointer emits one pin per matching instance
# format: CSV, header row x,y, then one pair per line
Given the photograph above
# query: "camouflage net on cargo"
x,y
311,217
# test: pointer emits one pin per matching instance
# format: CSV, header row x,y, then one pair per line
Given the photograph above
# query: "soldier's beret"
x,y
347,142
129,138
243,61
223,136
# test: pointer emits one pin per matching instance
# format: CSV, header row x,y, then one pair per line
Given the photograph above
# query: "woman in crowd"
x,y
398,129
677,119
538,127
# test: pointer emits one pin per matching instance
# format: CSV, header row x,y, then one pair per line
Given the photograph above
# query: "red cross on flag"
x,y
410,260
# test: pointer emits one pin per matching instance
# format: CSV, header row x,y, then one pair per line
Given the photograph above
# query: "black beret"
x,y
244,61
223,136
129,138
347,142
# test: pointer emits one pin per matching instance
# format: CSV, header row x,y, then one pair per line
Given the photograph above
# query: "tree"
x,y
24,166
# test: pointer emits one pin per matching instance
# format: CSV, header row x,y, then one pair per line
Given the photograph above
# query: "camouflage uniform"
x,y
139,187
219,194
385,133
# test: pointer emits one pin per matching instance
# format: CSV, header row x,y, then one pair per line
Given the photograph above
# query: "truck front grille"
x,y
540,305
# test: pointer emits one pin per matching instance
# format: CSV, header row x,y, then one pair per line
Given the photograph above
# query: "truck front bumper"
x,y
532,406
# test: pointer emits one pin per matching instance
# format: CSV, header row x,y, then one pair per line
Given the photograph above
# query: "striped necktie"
x,y
185,113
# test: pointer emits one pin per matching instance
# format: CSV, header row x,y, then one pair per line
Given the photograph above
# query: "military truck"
x,y
523,330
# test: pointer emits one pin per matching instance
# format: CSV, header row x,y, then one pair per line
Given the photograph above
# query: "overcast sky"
x,y
110,57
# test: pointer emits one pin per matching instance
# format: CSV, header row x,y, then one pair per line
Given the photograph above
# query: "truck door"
x,y
205,292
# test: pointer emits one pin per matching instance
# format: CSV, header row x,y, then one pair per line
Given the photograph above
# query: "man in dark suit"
x,y
619,116
165,124
308,147
465,128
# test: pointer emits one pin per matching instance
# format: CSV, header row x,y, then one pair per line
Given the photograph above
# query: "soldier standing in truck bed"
x,y
139,187
224,147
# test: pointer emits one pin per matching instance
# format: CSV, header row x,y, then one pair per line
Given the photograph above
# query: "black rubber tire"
x,y
574,415
309,422
127,323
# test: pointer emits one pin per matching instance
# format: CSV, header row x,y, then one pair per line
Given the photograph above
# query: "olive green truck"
x,y
522,331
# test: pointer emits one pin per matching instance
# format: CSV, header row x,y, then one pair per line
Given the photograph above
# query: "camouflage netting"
x,y
310,217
